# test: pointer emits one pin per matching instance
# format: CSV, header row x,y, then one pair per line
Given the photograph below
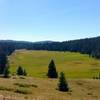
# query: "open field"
x,y
79,69
75,65
45,89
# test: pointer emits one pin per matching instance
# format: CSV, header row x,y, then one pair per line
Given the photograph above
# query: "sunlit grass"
x,y
75,65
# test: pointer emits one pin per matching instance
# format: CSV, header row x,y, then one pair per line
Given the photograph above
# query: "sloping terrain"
x,y
75,65
45,89
79,70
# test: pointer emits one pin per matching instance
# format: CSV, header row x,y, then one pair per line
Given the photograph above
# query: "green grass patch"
x,y
6,88
74,65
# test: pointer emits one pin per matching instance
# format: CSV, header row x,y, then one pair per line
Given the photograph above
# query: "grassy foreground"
x,y
16,88
75,65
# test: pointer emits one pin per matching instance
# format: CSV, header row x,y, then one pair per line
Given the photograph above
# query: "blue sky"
x,y
58,20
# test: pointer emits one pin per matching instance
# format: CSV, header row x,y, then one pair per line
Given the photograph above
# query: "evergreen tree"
x,y
6,73
20,71
3,62
52,73
99,75
63,85
24,72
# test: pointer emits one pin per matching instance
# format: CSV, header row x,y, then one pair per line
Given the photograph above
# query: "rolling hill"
x,y
75,65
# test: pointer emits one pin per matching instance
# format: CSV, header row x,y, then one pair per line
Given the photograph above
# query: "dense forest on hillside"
x,y
89,46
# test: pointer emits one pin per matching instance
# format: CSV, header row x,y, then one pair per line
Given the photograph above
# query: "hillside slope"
x,y
75,65
10,89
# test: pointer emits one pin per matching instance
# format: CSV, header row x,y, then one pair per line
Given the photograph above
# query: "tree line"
x,y
89,46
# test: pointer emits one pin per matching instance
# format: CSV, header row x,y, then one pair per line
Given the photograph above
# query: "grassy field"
x,y
75,65
16,88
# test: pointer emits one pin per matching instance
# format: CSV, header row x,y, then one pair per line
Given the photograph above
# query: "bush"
x,y
63,85
6,88
25,85
23,91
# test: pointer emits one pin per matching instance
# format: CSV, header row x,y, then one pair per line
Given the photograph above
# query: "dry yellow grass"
x,y
81,89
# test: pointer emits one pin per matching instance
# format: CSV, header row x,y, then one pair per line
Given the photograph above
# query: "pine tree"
x,y
3,62
63,85
24,72
6,73
99,76
52,73
20,71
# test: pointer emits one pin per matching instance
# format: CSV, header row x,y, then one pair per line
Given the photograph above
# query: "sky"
x,y
56,20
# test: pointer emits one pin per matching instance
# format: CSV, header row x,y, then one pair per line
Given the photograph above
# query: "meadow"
x,y
78,68
74,65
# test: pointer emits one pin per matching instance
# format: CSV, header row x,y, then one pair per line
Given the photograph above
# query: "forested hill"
x,y
89,46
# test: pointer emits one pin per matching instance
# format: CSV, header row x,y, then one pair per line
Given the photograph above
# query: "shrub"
x,y
23,91
6,88
25,85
